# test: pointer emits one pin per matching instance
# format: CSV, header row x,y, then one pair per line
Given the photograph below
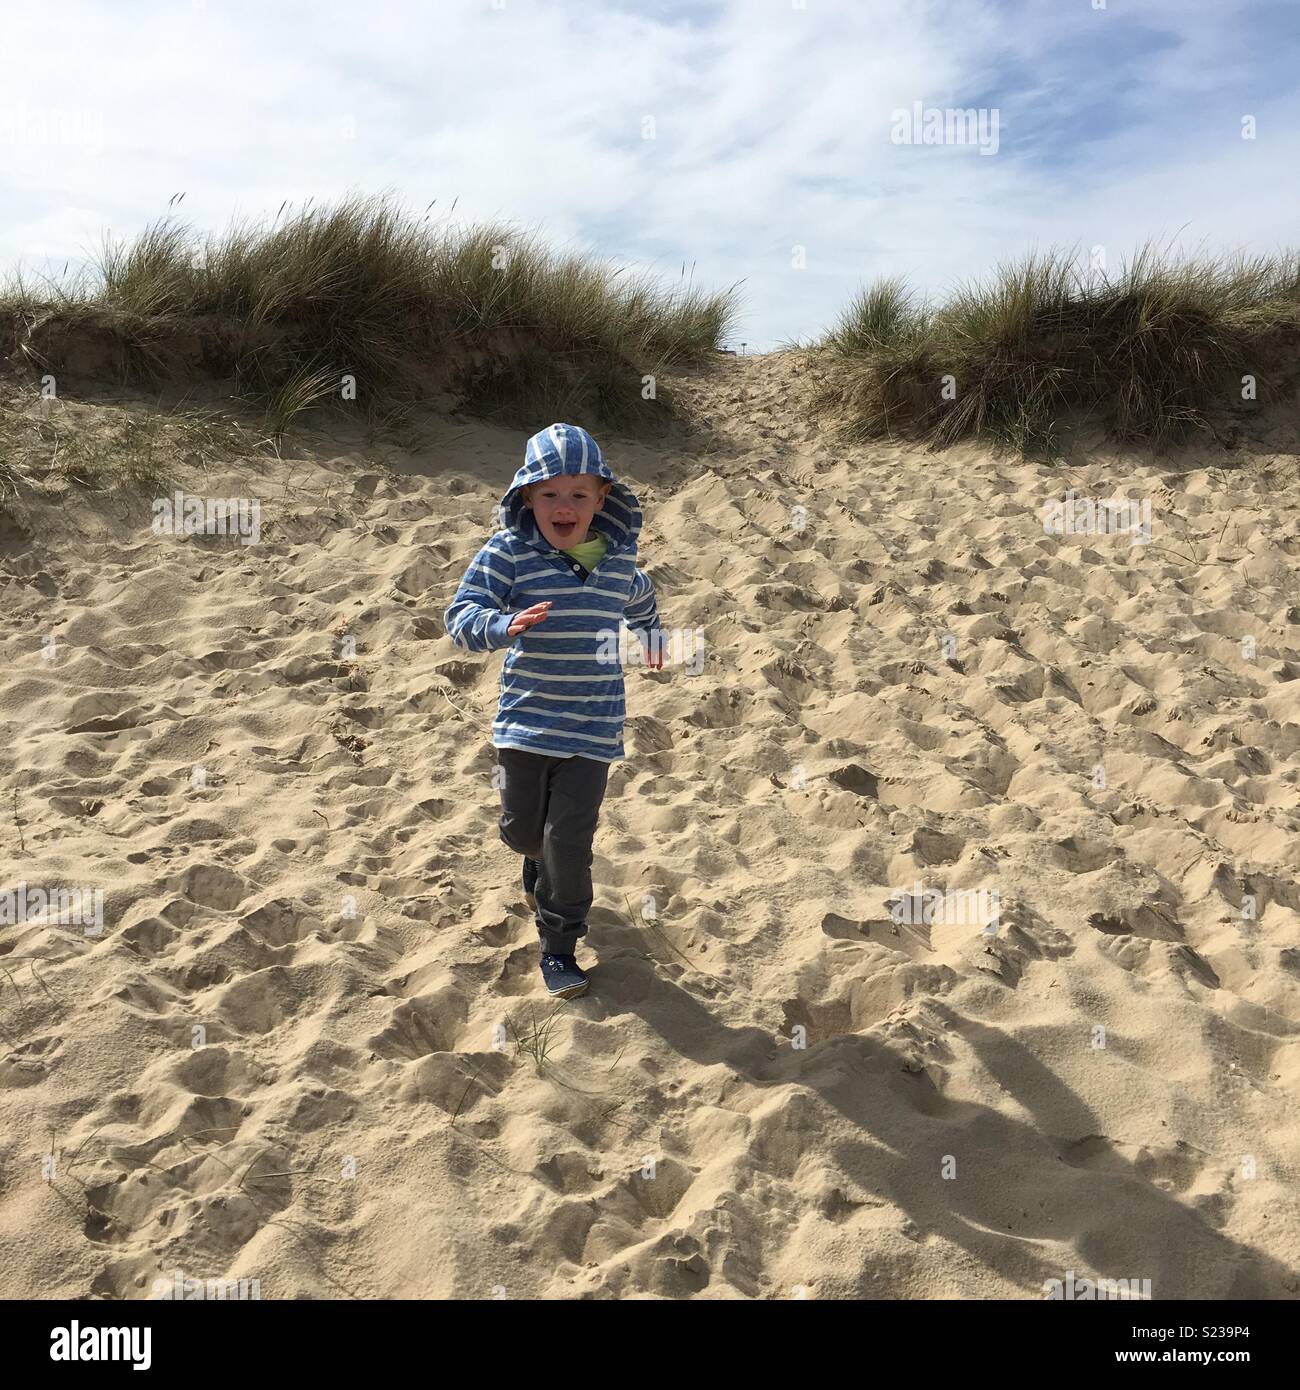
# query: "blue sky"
x,y
772,126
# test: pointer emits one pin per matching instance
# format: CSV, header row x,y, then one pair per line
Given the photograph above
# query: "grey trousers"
x,y
549,810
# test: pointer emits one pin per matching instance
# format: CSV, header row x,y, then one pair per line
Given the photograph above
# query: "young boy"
x,y
554,586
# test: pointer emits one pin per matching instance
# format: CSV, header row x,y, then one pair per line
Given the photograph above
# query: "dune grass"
x,y
110,446
373,308
1049,342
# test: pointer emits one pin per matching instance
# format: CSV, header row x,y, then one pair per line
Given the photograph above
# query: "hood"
x,y
561,449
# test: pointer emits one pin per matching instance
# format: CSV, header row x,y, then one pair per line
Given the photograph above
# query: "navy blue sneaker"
x,y
564,980
532,870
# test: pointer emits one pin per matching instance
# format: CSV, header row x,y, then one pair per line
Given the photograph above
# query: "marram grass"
x,y
1147,353
366,305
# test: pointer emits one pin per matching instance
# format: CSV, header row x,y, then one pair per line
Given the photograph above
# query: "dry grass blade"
x,y
540,1039
302,390
666,941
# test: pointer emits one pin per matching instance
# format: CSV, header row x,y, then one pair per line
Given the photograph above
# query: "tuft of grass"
x,y
108,447
1050,340
405,305
294,395
880,316
538,1039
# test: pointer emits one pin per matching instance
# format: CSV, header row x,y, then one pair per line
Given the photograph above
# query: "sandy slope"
x,y
358,1119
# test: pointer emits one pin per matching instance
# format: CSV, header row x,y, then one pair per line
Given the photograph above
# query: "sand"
x,y
292,1054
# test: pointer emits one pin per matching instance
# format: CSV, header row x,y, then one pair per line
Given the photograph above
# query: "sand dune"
x,y
774,1089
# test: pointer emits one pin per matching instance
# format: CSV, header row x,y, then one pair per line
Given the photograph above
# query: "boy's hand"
x,y
525,619
652,651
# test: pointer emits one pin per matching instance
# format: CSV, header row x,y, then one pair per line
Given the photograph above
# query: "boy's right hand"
x,y
527,618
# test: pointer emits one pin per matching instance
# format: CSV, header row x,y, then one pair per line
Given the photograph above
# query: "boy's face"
x,y
565,505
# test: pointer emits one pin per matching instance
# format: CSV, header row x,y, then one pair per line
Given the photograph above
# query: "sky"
x,y
769,142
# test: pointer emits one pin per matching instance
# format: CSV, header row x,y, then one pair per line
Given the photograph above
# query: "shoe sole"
x,y
531,901
571,992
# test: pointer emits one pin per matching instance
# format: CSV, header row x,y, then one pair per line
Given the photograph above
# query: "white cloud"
x,y
771,130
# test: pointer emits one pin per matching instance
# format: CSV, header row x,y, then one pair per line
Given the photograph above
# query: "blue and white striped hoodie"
x,y
557,696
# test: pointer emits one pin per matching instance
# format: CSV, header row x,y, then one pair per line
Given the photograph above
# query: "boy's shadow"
x,y
1015,1185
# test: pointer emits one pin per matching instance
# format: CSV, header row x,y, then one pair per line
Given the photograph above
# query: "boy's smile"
x,y
564,506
